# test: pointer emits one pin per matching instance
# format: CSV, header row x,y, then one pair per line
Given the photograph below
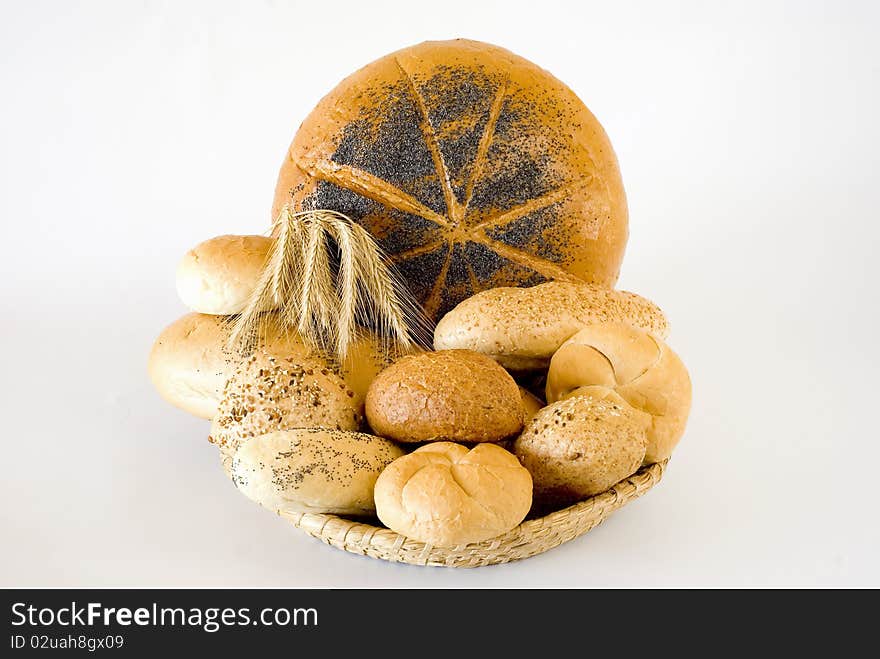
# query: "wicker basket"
x,y
533,536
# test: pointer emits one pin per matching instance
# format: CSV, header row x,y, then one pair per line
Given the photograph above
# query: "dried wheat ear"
x,y
329,280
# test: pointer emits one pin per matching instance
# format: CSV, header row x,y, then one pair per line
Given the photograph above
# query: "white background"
x,y
748,140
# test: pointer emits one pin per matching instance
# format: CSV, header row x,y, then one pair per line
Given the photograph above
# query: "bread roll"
x,y
189,363
446,495
581,446
640,367
310,470
454,395
531,404
218,276
366,358
521,328
270,391
472,167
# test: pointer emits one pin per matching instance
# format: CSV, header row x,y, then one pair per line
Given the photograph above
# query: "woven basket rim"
x,y
533,536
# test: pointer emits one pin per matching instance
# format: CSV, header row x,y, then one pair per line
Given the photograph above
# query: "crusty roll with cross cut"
x,y
445,494
635,364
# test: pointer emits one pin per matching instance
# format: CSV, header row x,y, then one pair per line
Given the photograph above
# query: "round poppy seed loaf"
x,y
472,167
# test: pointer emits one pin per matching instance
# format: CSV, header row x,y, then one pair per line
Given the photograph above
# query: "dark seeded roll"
x,y
454,395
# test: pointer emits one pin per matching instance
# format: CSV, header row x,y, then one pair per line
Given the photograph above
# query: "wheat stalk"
x,y
346,284
327,306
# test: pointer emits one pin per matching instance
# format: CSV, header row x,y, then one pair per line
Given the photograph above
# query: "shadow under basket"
x,y
533,536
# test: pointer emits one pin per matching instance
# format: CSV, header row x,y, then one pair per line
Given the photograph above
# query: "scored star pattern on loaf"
x,y
458,177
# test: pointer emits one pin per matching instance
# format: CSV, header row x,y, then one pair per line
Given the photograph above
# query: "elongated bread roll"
x,y
311,470
190,361
521,328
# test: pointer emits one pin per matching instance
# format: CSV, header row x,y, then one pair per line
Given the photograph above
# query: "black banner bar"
x,y
351,621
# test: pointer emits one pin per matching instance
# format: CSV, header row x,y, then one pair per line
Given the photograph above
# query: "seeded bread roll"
x,y
270,392
521,328
311,470
640,367
446,495
582,445
451,395
218,276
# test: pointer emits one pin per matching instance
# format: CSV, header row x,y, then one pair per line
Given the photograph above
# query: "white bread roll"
x,y
446,495
218,276
190,361
521,328
311,470
640,367
581,446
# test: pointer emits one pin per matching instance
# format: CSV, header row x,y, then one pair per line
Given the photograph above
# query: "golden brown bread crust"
x,y
451,395
521,328
473,168
640,367
190,360
531,404
581,446
366,357
446,495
